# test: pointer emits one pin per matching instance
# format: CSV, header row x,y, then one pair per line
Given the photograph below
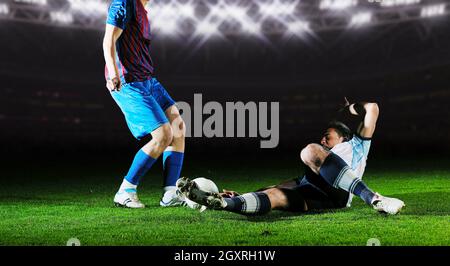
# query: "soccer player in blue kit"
x,y
146,105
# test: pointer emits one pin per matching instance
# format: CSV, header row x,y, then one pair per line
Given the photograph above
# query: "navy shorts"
x,y
143,104
318,194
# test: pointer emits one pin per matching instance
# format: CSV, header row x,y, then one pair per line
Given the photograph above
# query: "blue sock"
x,y
257,203
140,166
172,165
338,174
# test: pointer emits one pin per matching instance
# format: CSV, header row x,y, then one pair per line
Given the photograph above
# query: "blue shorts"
x,y
143,104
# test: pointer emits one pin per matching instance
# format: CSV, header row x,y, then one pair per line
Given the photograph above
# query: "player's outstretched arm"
x,y
112,34
367,127
369,112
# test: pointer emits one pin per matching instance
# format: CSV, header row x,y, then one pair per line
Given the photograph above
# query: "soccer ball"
x,y
205,185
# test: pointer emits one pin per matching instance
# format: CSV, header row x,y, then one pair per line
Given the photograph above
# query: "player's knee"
x,y
164,136
277,198
308,154
167,137
179,129
313,156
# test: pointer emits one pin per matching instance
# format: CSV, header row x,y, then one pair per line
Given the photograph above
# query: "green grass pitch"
x,y
43,205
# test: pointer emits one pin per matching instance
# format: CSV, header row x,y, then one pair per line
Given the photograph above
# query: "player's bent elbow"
x,y
373,108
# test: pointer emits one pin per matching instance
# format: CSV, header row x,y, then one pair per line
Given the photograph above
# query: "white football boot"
x,y
128,200
387,205
191,191
172,198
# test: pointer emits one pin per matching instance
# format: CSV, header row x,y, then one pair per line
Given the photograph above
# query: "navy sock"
x,y
140,166
257,203
360,189
338,174
333,168
172,165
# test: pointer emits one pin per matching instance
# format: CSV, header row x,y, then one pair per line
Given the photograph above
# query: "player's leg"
x,y
254,203
143,161
288,184
144,116
338,174
318,194
173,158
335,171
173,155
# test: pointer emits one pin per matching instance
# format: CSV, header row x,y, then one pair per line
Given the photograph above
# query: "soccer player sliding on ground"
x,y
146,105
333,176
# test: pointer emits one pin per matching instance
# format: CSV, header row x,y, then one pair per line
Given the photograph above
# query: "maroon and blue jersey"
x,y
133,46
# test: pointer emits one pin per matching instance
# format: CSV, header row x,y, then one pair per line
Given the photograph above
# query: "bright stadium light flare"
x,y
252,28
337,4
239,15
186,10
235,12
166,18
299,27
361,19
89,6
278,8
4,9
61,17
206,28
204,19
34,2
433,11
389,3
169,28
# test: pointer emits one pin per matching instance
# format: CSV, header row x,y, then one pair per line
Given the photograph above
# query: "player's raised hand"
x,y
344,108
114,84
346,102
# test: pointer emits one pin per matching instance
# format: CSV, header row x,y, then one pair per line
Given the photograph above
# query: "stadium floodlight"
x,y
240,15
206,28
219,18
433,10
61,17
186,10
299,27
251,28
165,18
164,14
277,8
168,28
89,6
34,2
389,3
4,9
337,4
361,19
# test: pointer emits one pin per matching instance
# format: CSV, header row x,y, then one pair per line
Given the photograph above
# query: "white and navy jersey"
x,y
354,153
